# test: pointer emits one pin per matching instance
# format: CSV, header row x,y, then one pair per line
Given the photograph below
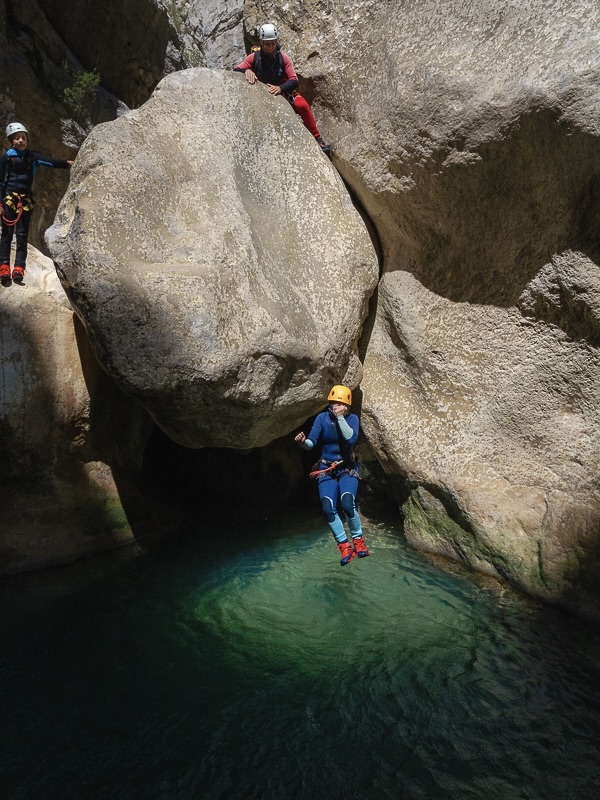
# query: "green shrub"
x,y
79,96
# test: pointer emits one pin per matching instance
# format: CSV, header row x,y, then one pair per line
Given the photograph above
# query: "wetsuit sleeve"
x,y
247,63
43,161
291,79
345,429
315,432
349,427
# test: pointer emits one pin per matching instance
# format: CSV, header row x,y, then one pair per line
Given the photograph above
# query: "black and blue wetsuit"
x,y
17,170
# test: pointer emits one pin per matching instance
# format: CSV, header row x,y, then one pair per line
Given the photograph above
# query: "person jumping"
x,y
338,471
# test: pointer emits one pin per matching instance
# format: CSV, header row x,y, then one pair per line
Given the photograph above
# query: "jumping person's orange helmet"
x,y
340,394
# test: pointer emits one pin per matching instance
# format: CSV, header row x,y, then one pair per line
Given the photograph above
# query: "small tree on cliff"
x,y
79,96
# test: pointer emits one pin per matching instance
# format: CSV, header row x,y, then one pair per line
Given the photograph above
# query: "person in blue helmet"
x,y
337,471
17,169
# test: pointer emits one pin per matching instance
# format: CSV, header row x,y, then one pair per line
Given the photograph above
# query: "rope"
x,y
19,210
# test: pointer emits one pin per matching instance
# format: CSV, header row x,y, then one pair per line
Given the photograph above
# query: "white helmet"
x,y
267,33
15,127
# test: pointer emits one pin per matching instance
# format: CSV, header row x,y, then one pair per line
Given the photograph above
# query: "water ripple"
x,y
253,666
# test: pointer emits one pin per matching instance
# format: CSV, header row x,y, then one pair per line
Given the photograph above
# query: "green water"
x,y
248,664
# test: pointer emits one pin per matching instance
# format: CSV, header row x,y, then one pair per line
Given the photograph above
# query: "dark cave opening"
x,y
183,484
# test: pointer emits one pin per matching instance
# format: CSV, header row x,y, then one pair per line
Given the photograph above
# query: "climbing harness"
x,y
317,472
19,203
277,68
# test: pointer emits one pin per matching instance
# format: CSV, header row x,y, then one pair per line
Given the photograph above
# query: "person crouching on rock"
x,y
272,66
17,168
337,471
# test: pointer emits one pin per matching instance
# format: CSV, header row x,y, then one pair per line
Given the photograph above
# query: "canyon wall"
x,y
468,135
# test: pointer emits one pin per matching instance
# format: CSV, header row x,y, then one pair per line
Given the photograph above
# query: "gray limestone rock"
x,y
470,133
493,419
216,260
135,44
65,484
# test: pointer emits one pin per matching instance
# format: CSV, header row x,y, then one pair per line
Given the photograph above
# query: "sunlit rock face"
x,y
70,443
216,260
494,422
222,27
470,133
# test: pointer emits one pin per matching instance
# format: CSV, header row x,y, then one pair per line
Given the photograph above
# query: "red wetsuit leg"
x,y
305,113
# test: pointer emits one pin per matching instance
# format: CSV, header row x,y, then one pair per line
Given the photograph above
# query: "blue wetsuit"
x,y
337,435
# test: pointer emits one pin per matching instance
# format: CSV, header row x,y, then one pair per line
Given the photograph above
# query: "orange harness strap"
x,y
315,473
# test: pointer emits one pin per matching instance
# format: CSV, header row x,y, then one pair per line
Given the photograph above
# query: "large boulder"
x,y
491,420
216,260
70,443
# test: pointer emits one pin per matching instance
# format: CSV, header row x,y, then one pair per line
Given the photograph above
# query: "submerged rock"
x,y
216,261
